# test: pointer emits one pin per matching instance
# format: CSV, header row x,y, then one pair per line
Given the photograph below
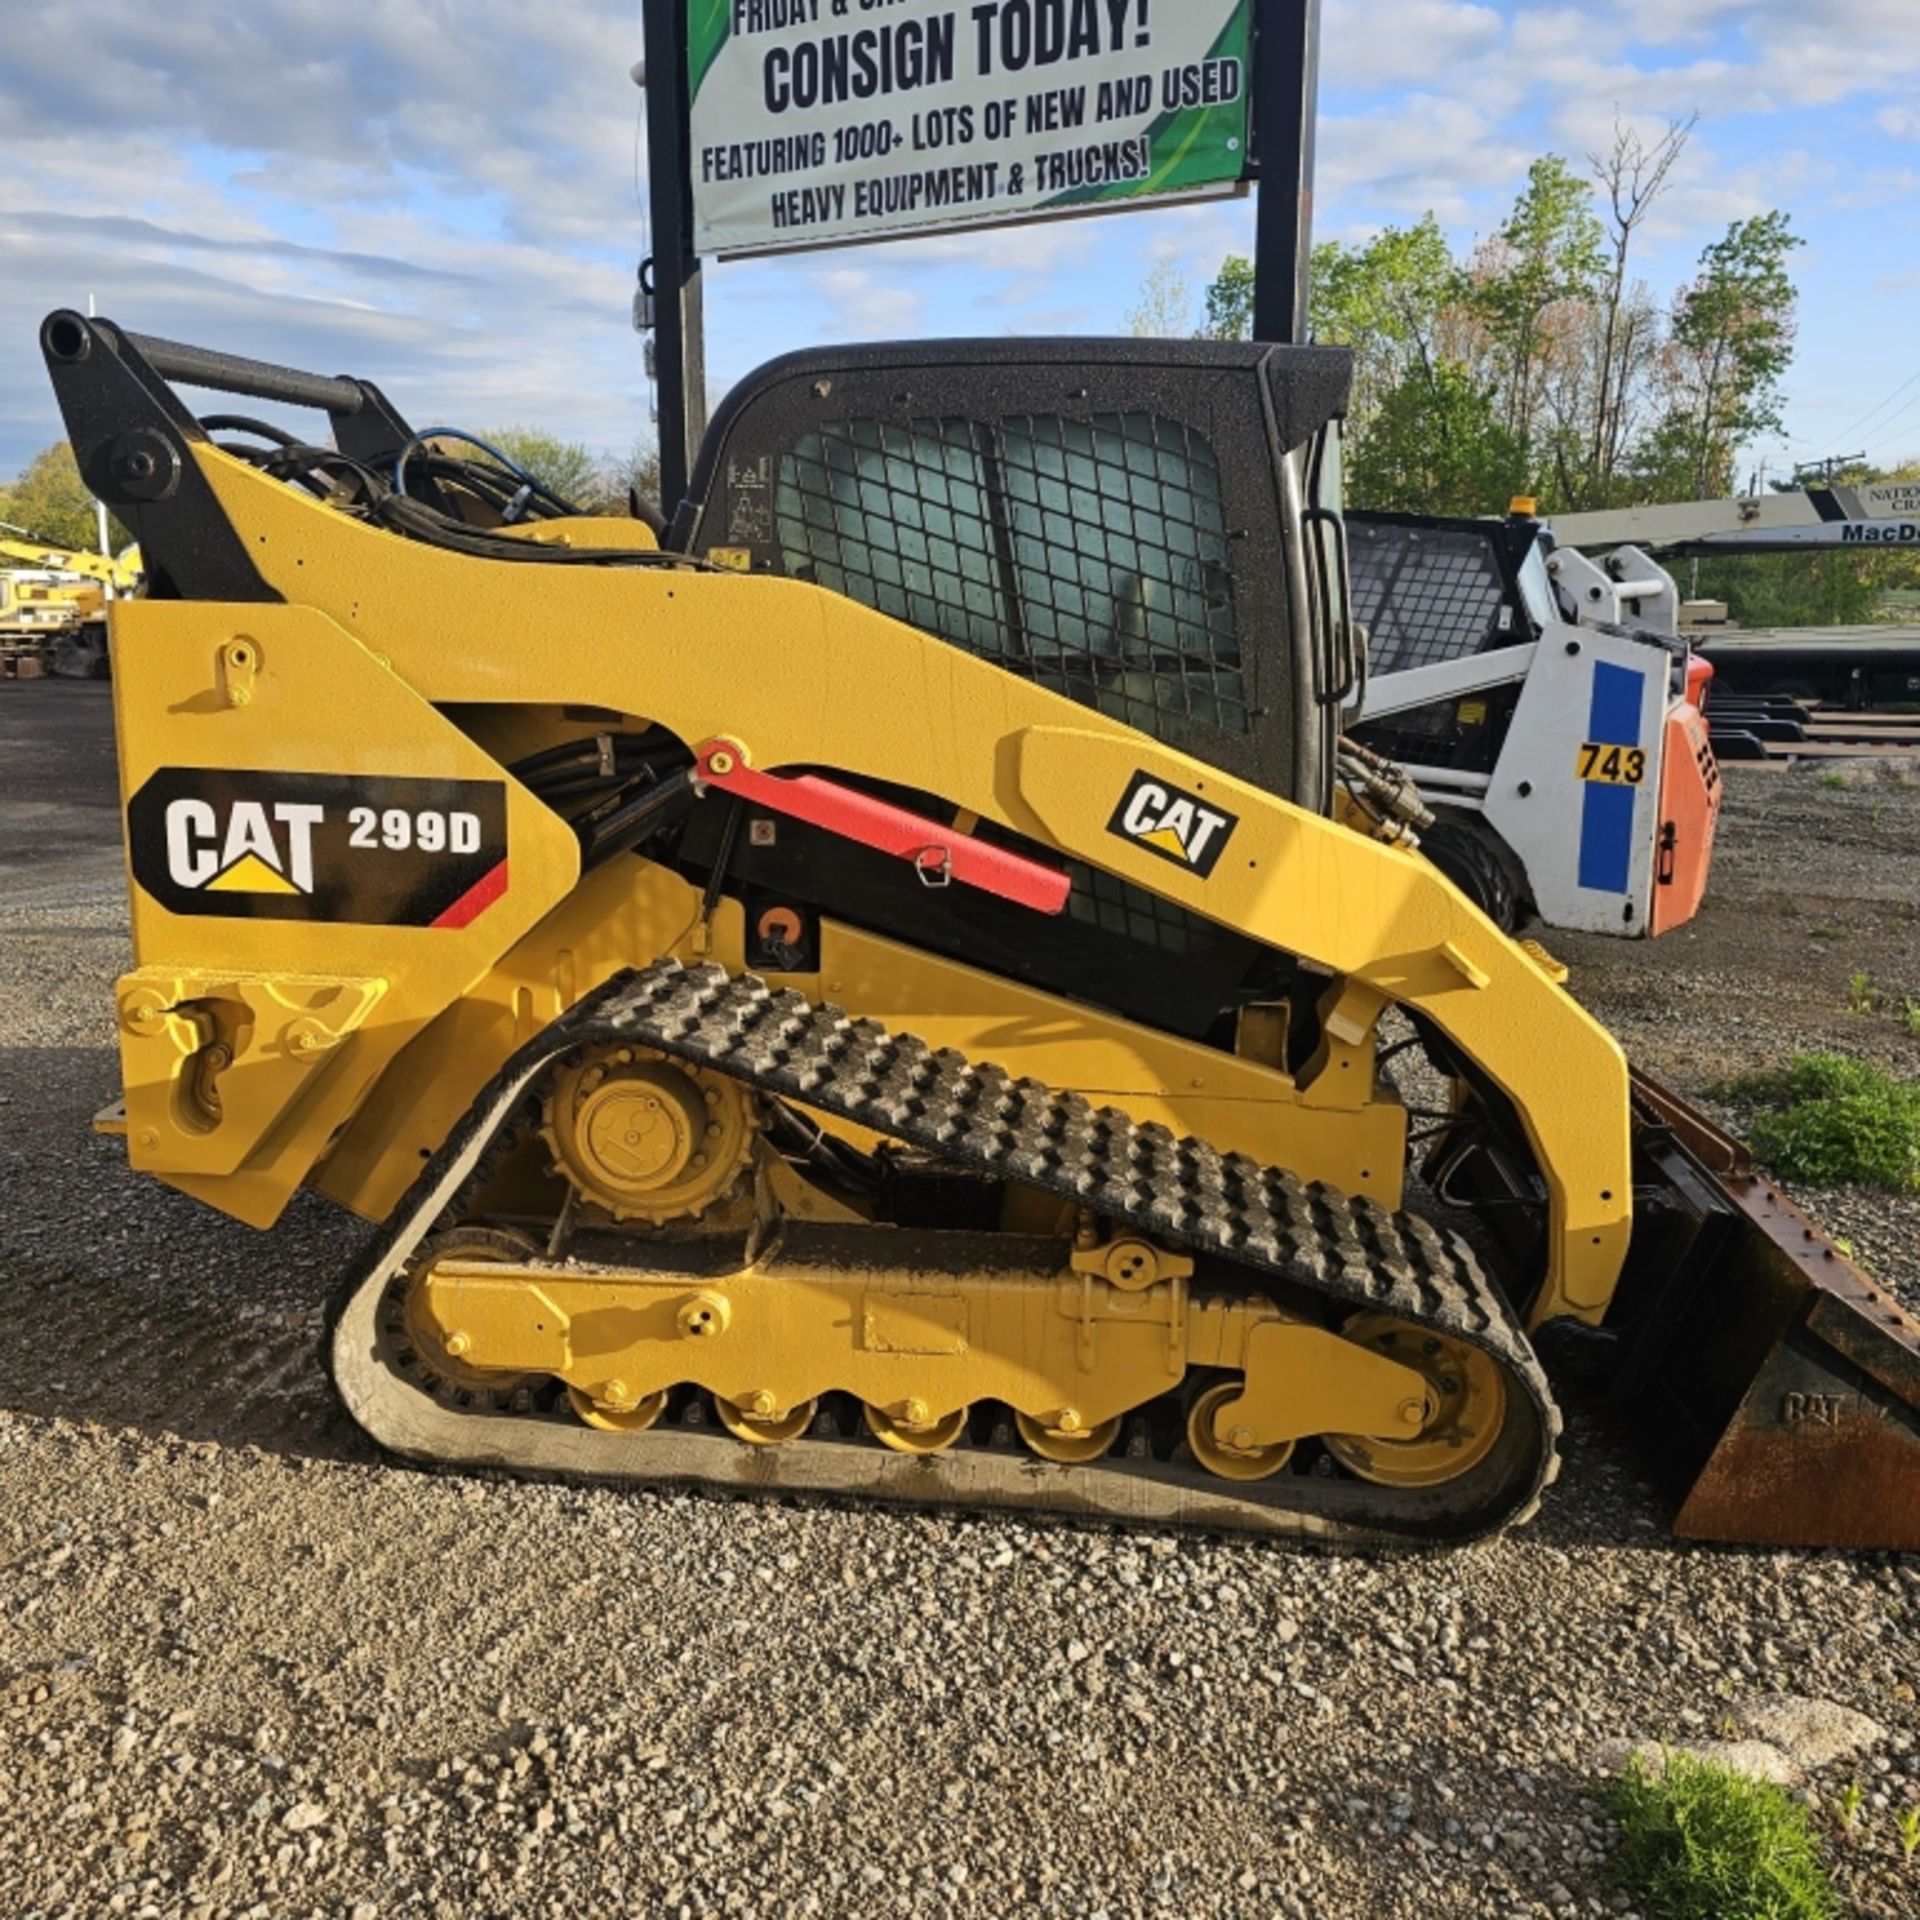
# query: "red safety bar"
x,y
939,854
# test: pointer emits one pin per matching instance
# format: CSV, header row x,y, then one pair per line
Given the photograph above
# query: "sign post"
x,y
1286,89
673,273
777,125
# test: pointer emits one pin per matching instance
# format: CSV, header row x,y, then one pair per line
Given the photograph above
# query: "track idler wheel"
x,y
768,1429
409,1326
1466,1406
1070,1446
1224,1457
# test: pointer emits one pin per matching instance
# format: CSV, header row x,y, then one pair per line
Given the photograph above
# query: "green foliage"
x,y
1794,589
566,466
1909,1825
1436,440
1733,332
576,473
1700,1842
1388,301
1852,1798
1831,1121
1230,301
1551,250
1536,364
1430,434
52,502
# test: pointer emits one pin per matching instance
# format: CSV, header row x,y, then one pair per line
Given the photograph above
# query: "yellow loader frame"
x,y
310,1023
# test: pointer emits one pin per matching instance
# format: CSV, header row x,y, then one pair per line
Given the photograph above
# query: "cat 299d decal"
x,y
320,846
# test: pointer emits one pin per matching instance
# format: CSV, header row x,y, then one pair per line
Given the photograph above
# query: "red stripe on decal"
x,y
476,900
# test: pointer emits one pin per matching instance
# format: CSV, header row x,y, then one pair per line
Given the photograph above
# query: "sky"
x,y
443,195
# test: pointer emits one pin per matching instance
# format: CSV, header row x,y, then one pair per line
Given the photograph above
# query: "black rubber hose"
x,y
627,826
244,423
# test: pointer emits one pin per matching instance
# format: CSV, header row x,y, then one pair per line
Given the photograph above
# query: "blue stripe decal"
x,y
1615,716
1606,812
1606,837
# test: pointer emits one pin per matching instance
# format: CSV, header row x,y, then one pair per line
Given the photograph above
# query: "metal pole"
x,y
680,356
1286,84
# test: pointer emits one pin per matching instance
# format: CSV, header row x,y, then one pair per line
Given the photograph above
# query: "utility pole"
x,y
1286,84
1827,467
672,275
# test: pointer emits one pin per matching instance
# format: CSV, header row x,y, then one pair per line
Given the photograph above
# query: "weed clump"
x,y
1828,1121
1700,1842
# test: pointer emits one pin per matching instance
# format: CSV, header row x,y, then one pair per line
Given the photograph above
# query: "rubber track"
x,y
1142,1177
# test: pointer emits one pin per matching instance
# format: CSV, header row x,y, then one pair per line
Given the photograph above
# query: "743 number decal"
x,y
1612,766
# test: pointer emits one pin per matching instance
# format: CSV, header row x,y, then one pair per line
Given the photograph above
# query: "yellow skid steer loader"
x,y
884,985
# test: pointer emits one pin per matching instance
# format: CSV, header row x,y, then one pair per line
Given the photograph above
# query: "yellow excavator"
x,y
53,599
901,987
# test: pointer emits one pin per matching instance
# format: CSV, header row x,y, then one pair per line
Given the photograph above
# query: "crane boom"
x,y
1868,517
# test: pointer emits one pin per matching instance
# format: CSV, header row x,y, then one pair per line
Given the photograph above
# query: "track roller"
x,y
1070,1447
903,1436
634,1419
769,1429
1224,1457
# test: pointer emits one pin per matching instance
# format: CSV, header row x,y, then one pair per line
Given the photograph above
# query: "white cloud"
x,y
1396,42
441,197
1425,151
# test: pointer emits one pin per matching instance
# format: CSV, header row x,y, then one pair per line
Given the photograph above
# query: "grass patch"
x,y
1829,1121
1699,1842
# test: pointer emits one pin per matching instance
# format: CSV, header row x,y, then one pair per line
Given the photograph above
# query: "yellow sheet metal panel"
x,y
1387,919
263,876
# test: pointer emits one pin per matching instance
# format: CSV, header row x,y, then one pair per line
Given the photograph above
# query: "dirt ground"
x,y
250,1668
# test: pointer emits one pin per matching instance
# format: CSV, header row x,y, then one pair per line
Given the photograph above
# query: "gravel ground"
x,y
249,1669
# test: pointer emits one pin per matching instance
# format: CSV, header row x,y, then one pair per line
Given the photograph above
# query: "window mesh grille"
x,y
1425,594
1090,556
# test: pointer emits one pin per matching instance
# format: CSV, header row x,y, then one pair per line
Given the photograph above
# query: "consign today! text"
x,y
867,63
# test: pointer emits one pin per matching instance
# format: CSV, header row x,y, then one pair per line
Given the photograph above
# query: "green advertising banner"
x,y
817,122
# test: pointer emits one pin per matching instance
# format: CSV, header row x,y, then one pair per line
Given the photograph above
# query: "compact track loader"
x,y
895,987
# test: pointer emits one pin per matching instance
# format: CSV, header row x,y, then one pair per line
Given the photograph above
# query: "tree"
x,y
1427,427
51,501
1436,445
1632,176
1549,252
573,471
1229,301
1539,363
1391,301
1732,340
1165,311
638,473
